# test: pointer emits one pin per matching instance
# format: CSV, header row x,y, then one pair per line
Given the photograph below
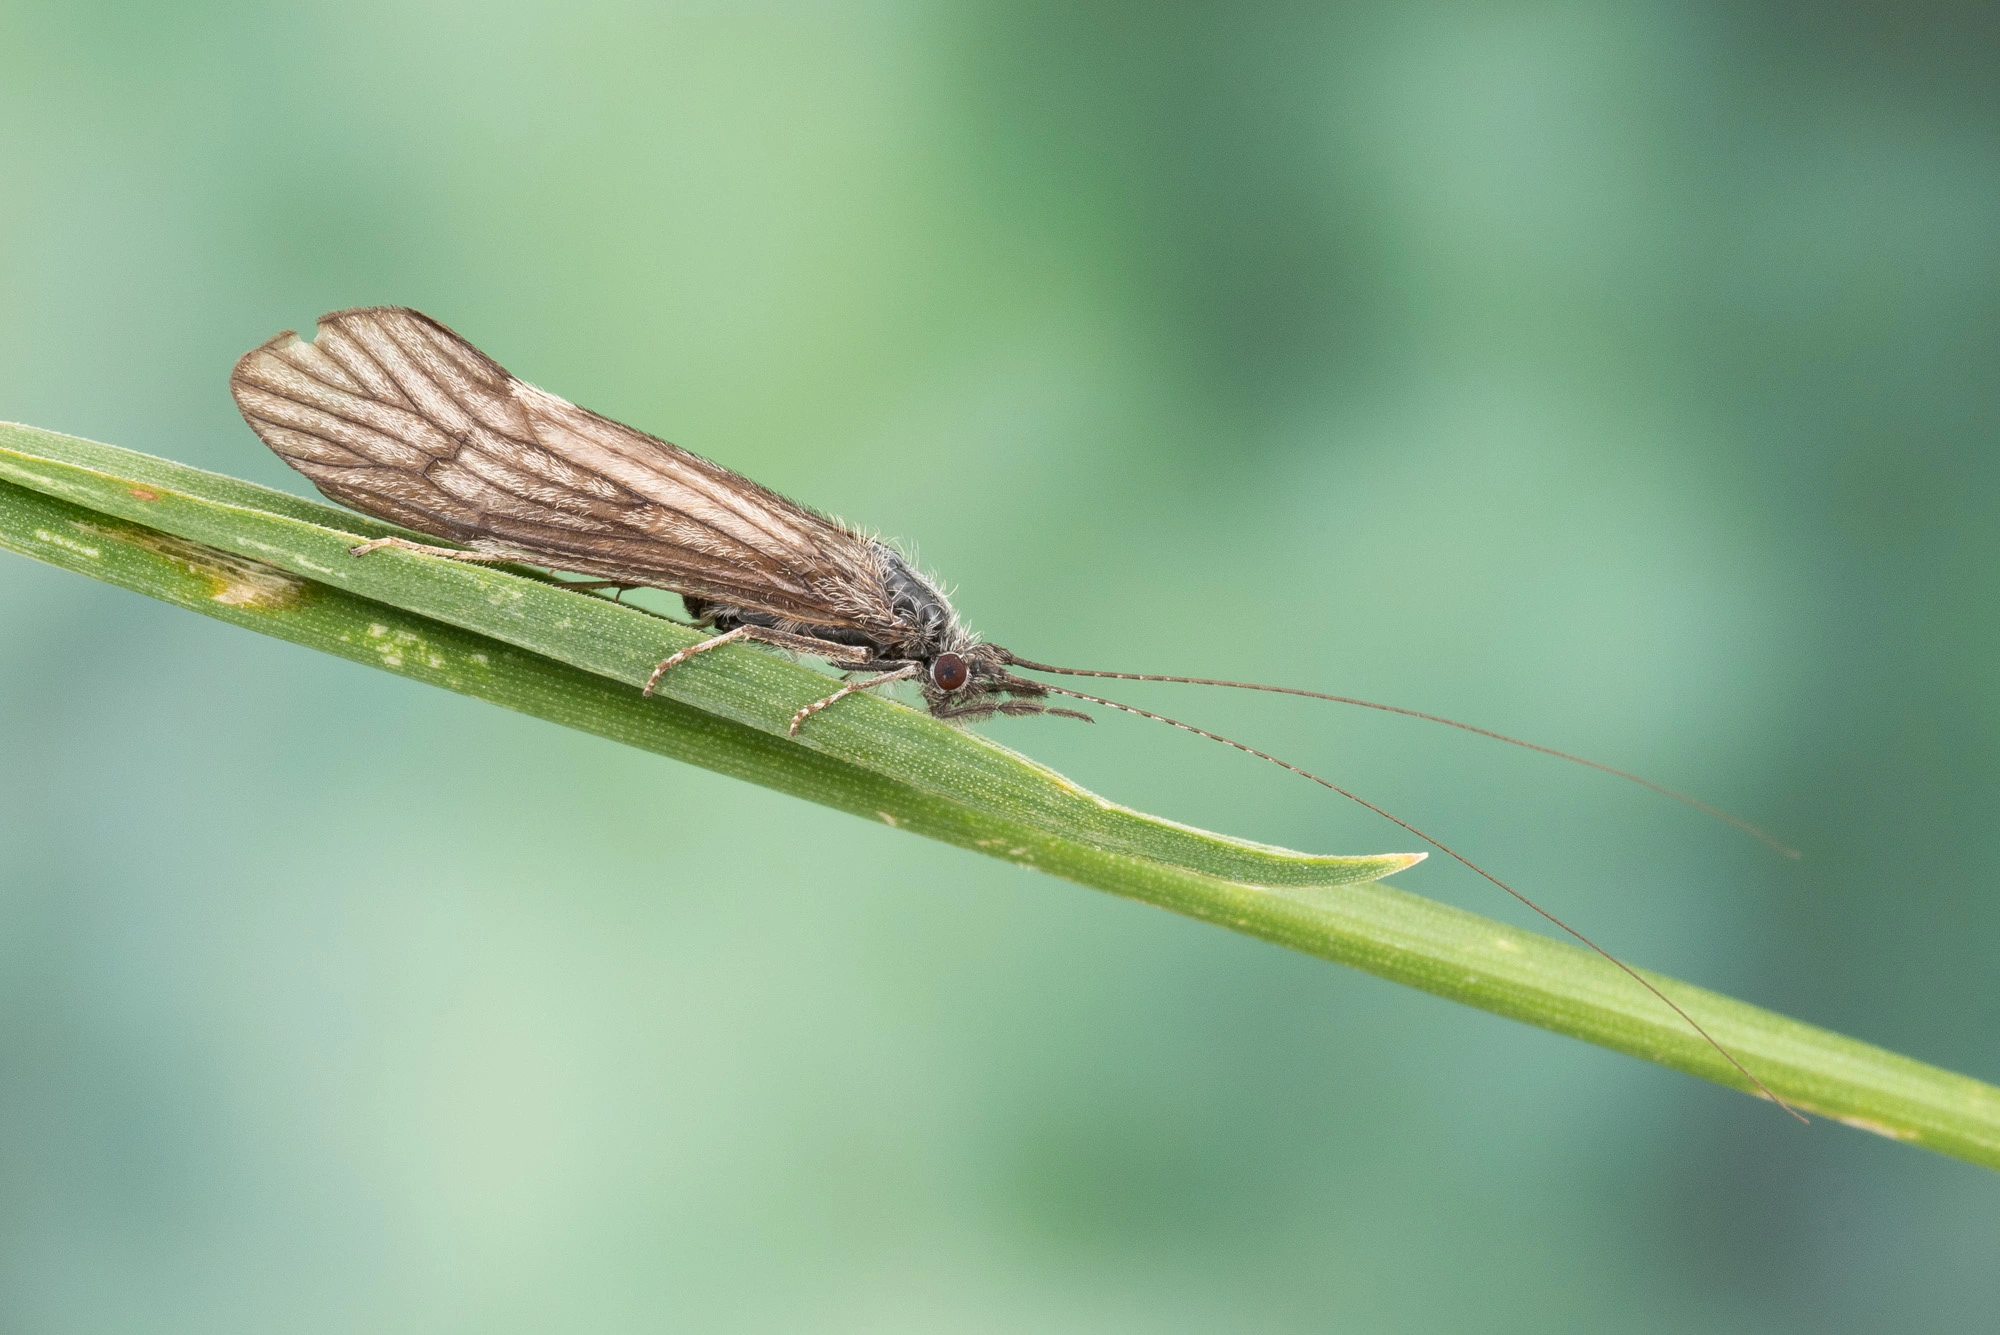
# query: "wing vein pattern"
x,y
390,413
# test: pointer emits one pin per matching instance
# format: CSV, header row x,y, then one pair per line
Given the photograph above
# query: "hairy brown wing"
x,y
391,413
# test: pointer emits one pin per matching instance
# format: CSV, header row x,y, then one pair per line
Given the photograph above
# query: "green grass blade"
x,y
1399,936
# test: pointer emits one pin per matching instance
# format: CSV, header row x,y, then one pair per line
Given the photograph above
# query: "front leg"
x,y
900,674
841,655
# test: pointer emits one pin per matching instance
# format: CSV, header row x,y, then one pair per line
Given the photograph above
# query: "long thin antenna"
x,y
1455,855
1643,782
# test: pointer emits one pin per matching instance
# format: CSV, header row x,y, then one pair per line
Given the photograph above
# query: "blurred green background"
x,y
1617,375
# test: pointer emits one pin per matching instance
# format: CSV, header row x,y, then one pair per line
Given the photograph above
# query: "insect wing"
x,y
390,413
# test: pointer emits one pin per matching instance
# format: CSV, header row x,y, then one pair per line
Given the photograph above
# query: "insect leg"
x,y
908,670
843,655
454,553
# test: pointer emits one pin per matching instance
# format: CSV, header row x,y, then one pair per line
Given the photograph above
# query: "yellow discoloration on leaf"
x,y
1878,1128
234,581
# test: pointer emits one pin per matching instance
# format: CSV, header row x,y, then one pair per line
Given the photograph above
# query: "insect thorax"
x,y
908,617
919,609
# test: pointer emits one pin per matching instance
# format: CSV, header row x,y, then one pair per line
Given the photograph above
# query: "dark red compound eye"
x,y
949,672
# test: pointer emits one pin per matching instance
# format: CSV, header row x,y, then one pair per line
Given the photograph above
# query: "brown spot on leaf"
x,y
233,580
144,493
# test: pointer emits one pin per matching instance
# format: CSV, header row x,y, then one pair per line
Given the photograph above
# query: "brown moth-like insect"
x,y
391,413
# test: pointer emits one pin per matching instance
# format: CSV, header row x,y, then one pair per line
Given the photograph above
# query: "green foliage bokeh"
x,y
1619,376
